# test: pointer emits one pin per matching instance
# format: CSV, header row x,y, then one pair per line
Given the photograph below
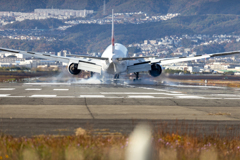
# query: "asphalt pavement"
x,y
29,109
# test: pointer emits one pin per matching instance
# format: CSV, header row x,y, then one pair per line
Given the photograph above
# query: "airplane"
x,y
115,60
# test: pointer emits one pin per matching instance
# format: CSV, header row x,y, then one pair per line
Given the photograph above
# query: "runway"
x,y
30,109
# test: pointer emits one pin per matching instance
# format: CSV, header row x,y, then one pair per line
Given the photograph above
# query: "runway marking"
x,y
4,95
231,98
189,97
7,89
191,86
33,89
67,84
44,96
162,90
211,98
66,97
162,97
174,92
145,96
114,97
159,89
92,96
234,95
169,94
16,96
140,93
60,89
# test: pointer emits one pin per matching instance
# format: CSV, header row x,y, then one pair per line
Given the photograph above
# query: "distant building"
x,y
64,53
7,54
59,53
145,41
178,53
63,12
152,41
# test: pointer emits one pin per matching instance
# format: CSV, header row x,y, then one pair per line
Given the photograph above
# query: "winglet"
x,y
113,45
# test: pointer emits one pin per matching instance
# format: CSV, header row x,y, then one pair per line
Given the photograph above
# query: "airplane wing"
x,y
85,63
139,65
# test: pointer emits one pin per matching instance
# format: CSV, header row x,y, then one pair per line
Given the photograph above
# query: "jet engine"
x,y
73,69
156,70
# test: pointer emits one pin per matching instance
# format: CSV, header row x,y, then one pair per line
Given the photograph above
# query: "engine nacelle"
x,y
156,70
73,69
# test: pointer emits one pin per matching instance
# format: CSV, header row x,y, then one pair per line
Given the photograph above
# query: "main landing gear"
x,y
91,74
116,78
137,77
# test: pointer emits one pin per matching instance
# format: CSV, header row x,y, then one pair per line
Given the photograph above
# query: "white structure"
x,y
63,12
17,55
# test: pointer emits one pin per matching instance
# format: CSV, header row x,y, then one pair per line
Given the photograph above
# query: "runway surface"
x,y
30,109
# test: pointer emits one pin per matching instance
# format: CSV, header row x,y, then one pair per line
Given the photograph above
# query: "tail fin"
x,y
113,45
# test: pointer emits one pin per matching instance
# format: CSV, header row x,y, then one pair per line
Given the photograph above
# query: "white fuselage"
x,y
113,66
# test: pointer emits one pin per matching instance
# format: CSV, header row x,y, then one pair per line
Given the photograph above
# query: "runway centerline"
x,y
7,89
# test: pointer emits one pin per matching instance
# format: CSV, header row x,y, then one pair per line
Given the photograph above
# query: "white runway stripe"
x,y
65,96
4,95
145,96
192,86
65,84
231,98
160,90
162,97
141,93
227,95
33,89
7,89
211,98
169,94
92,96
60,89
174,92
16,96
190,97
166,91
44,96
113,97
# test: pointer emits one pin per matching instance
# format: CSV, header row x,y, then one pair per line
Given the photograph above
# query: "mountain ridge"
x,y
185,7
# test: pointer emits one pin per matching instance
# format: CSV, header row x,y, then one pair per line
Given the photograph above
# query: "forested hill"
x,y
94,37
186,7
97,37
32,24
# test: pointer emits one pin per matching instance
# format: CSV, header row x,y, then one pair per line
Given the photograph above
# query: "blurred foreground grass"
x,y
86,146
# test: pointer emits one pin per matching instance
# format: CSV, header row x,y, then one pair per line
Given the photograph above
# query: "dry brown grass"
x,y
87,146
